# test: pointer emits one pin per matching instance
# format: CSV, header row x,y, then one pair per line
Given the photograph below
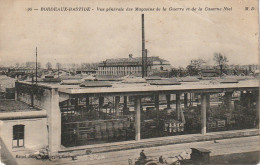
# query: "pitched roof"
x,y
130,61
153,78
171,81
133,79
71,82
189,79
95,84
225,80
14,105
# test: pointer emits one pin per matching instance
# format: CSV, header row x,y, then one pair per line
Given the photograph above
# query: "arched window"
x,y
18,135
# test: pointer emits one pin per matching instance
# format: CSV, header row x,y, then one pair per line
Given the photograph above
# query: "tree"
x,y
39,65
58,65
173,72
221,60
17,65
194,66
89,66
48,65
30,64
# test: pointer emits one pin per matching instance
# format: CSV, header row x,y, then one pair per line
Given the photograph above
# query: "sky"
x,y
176,36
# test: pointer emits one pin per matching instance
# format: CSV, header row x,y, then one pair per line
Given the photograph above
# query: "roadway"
x,y
219,147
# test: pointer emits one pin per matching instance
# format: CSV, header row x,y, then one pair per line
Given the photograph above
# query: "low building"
x,y
209,73
7,87
3,70
23,73
132,66
55,73
22,70
22,126
86,72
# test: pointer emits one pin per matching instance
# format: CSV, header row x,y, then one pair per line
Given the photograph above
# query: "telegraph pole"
x,y
36,66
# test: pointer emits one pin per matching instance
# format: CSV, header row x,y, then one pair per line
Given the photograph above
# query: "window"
x,y
18,135
161,68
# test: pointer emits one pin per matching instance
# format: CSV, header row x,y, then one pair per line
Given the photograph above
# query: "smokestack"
x,y
143,37
144,51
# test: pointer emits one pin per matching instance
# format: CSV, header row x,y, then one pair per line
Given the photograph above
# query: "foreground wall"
x,y
45,98
33,94
35,133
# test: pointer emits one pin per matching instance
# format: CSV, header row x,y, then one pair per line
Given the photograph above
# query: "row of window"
x,y
117,72
119,68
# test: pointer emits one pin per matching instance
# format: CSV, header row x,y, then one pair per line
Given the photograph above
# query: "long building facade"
x,y
132,66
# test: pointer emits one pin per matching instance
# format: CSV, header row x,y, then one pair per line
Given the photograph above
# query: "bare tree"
x,y
221,60
89,66
48,65
17,65
39,65
58,65
30,64
194,66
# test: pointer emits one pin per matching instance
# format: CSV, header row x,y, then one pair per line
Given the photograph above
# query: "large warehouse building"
x,y
132,66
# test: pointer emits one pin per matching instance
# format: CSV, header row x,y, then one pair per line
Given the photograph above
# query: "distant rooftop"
x,y
130,61
15,106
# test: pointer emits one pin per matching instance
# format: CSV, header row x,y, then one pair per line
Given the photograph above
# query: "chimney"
x,y
144,51
143,37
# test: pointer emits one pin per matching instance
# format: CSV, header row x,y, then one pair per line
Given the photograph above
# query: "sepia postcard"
x,y
117,82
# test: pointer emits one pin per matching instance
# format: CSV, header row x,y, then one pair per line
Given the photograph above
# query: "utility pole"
x,y
58,70
36,66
